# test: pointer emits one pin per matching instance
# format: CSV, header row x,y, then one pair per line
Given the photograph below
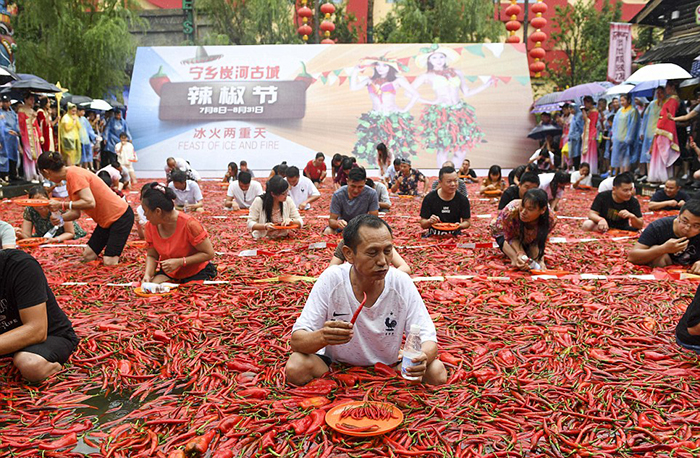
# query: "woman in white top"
x,y
274,208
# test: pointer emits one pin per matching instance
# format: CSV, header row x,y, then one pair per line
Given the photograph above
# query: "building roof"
x,y
673,48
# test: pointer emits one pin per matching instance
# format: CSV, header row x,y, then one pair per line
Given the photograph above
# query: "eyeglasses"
x,y
684,221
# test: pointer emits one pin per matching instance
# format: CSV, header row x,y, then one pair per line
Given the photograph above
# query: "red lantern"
x,y
539,7
513,10
327,41
537,53
512,26
537,67
305,12
327,8
305,30
538,22
327,26
538,36
513,39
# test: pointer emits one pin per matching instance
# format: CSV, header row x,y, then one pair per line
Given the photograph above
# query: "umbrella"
x,y
35,85
687,87
619,89
582,90
541,131
547,99
76,99
547,108
117,105
658,72
647,88
7,76
97,104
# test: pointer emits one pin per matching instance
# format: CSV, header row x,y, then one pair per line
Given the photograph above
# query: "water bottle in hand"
x,y
411,349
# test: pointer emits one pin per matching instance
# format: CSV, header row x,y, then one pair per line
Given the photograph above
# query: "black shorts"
x,y
55,349
325,359
114,237
208,273
500,240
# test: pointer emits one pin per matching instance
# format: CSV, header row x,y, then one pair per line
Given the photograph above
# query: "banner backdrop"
x,y
620,52
265,104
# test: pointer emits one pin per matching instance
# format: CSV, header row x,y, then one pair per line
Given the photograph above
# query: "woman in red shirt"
x,y
175,239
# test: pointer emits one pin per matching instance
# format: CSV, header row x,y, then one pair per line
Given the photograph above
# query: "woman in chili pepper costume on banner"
x,y
448,123
386,122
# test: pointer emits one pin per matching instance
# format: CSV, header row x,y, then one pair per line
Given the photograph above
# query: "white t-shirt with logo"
x,y
379,329
587,181
302,191
244,199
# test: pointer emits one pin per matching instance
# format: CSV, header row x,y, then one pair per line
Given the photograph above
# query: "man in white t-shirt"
x,y
606,184
323,332
188,194
178,163
301,189
582,177
242,192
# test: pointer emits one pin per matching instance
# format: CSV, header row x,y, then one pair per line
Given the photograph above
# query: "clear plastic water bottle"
x,y
411,349
54,230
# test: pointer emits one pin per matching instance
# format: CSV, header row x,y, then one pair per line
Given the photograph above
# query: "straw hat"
x,y
422,59
380,60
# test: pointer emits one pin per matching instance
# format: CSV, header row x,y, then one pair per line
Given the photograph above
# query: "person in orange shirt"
x,y
88,193
175,239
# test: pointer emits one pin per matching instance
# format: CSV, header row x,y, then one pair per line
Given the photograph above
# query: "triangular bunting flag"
x,y
332,78
495,48
471,78
476,50
349,70
410,79
324,79
484,78
337,72
404,61
522,79
505,79
459,50
342,80
316,75
326,73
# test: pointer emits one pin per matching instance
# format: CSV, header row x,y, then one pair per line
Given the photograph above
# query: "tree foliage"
x,y
249,22
646,39
70,41
583,34
440,21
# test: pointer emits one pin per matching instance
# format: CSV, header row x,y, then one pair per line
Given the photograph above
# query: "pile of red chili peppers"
x,y
537,367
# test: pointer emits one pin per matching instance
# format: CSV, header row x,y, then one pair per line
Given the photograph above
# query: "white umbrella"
x,y
658,72
619,89
97,104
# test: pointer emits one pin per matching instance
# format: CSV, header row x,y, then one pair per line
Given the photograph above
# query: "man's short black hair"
x,y
584,164
292,171
244,177
397,162
357,174
444,170
351,233
320,154
588,99
347,163
529,177
623,178
178,176
677,181
693,206
370,182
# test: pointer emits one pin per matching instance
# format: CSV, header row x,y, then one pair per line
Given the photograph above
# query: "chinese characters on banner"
x,y
620,53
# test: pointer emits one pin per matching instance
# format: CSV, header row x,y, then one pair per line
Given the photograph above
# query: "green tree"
x,y
646,39
582,33
443,21
249,22
346,26
71,41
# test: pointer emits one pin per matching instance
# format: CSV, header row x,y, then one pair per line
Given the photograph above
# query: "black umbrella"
x,y
7,76
34,85
74,99
116,105
540,132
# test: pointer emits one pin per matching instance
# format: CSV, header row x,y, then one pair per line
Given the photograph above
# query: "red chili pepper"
x,y
241,366
177,454
318,418
316,401
357,312
199,445
357,429
301,425
347,379
66,441
254,393
158,80
268,440
316,387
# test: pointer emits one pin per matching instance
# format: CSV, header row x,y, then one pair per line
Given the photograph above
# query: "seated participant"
x,y
522,227
554,184
316,170
188,195
528,180
445,205
672,240
88,193
341,176
396,259
244,168
242,192
336,163
8,236
279,170
466,173
671,197
111,176
172,164
461,188
356,198
543,159
688,328
493,182
231,173
38,222
274,208
616,209
125,177
33,328
407,180
393,304
391,172
606,184
582,176
301,189
382,194
176,241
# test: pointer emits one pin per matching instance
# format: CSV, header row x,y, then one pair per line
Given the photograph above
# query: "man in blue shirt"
x,y
115,126
9,136
575,133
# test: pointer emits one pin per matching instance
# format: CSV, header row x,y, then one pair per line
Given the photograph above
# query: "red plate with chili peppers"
x,y
31,242
364,418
